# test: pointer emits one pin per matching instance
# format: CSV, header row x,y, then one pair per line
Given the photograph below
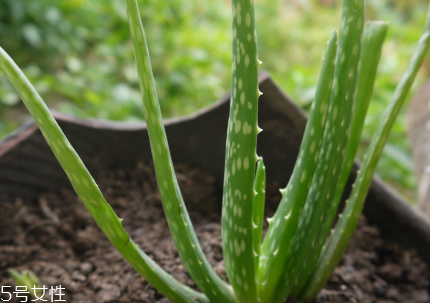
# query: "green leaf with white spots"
x,y
284,224
338,241
238,196
88,191
177,216
373,39
330,160
289,258
258,207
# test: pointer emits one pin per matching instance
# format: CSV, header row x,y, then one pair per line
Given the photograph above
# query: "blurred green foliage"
x,y
79,56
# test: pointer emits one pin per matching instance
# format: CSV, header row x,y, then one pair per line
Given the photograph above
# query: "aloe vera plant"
x,y
297,255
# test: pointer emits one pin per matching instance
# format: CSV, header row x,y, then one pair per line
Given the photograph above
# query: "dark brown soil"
x,y
57,239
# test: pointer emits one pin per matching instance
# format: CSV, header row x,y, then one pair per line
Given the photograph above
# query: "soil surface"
x,y
57,239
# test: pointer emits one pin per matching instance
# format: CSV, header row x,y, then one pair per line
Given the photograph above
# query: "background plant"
x,y
28,279
292,258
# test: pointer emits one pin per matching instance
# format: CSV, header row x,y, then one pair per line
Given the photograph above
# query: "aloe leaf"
x,y
373,39
238,196
258,207
177,216
337,243
283,225
88,191
333,148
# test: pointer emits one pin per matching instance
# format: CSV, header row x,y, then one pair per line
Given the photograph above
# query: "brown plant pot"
x,y
29,169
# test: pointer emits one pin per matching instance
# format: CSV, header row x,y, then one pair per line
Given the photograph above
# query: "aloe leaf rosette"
x,y
345,227
282,226
295,257
373,39
327,165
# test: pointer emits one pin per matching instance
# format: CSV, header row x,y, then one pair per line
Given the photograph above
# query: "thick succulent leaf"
x,y
258,208
238,196
177,216
338,241
88,191
373,39
333,148
283,225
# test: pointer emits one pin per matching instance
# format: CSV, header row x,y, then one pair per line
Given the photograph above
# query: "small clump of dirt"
x,y
58,240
